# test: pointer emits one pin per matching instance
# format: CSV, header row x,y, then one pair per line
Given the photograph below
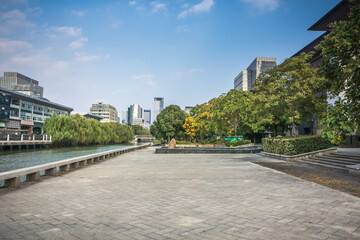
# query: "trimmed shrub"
x,y
295,145
237,143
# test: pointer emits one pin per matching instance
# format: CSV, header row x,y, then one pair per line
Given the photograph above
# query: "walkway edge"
x,y
12,178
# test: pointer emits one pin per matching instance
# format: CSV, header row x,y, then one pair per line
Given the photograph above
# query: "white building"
x,y
245,80
158,106
106,111
124,117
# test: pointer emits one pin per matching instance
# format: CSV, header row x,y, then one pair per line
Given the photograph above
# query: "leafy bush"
x,y
294,145
236,143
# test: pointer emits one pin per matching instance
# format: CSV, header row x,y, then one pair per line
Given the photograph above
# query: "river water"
x,y
11,160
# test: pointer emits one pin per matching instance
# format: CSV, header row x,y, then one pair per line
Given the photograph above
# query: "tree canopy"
x,y
169,123
341,68
77,130
290,91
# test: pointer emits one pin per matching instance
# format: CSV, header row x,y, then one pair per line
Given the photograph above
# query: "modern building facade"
x,y
158,106
20,111
22,84
339,13
246,79
134,111
124,117
147,118
106,111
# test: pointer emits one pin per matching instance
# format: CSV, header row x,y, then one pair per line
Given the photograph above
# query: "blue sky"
x,y
124,52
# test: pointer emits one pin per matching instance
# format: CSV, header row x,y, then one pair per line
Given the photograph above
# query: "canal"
x,y
27,158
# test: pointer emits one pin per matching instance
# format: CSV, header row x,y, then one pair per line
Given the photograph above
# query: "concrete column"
x,y
22,137
43,137
33,177
50,172
74,165
46,138
65,168
90,161
12,182
8,137
33,137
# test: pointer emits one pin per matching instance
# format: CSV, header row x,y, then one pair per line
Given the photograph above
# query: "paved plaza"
x,y
143,195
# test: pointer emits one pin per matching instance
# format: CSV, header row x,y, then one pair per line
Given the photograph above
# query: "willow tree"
x,y
292,91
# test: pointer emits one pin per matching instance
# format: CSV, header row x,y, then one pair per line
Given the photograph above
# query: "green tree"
x,y
290,91
77,130
139,130
341,68
203,119
169,123
235,109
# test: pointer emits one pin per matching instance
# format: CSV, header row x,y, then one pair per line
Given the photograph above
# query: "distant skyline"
x,y
128,52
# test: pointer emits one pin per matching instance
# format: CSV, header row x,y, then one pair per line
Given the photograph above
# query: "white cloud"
x,y
8,45
55,68
157,6
78,13
263,5
12,20
68,31
82,57
78,43
203,6
132,2
148,78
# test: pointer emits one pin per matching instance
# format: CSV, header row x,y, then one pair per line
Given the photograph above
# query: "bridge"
x,y
144,138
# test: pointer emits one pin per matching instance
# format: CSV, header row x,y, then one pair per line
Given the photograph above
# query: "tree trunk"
x,y
293,127
235,128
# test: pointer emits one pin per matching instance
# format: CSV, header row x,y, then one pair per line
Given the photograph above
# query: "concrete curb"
x,y
299,156
211,150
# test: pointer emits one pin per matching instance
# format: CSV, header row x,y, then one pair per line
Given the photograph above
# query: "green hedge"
x,y
294,145
237,143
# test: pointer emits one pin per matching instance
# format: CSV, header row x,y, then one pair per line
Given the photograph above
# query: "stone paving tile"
x,y
142,195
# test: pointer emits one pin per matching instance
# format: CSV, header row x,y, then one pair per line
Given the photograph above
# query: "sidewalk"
x,y
143,195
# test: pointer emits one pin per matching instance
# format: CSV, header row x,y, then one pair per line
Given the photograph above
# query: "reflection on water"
x,y
21,159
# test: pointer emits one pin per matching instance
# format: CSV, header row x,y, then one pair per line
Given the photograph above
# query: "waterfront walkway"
x,y
142,195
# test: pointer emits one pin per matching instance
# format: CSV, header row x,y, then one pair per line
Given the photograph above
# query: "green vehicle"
x,y
232,138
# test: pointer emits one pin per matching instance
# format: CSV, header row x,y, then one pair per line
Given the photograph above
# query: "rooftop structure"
x,y
338,13
21,83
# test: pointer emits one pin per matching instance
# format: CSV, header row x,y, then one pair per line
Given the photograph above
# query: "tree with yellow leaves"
x,y
189,127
